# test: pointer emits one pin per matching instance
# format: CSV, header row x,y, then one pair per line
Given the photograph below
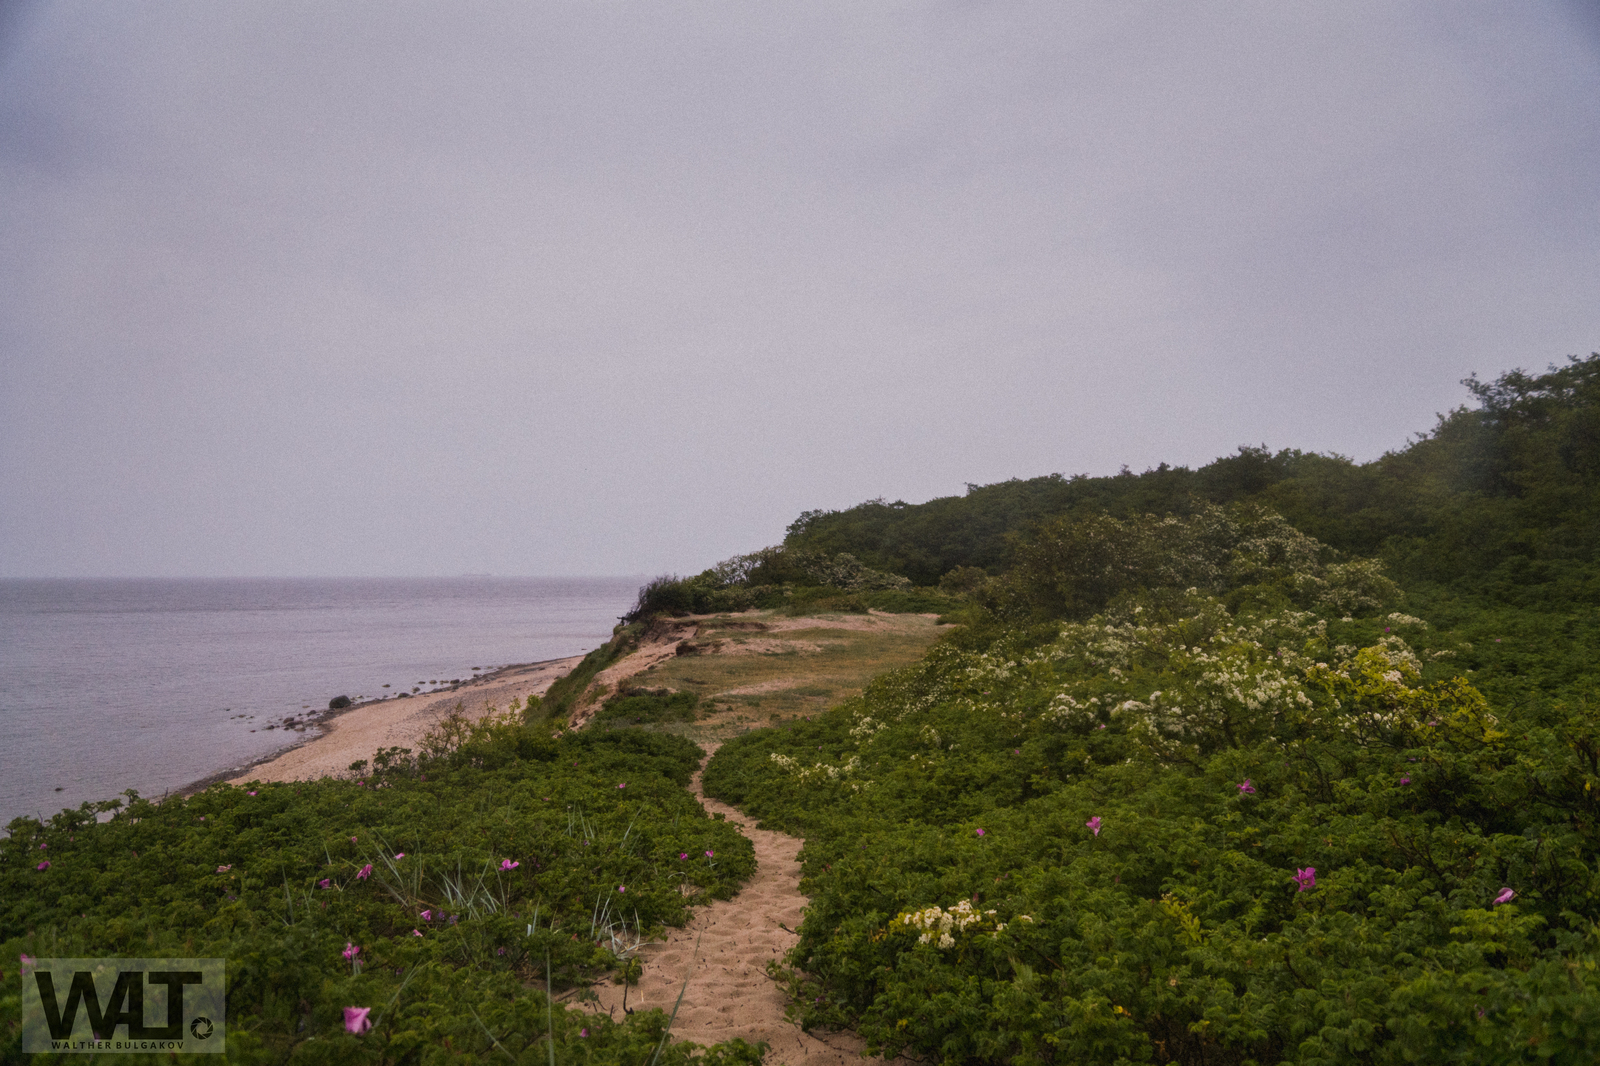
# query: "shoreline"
x,y
358,731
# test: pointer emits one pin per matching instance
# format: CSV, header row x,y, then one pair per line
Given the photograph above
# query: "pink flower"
x,y
1405,780
427,916
711,854
1093,825
416,932
364,873
980,832
43,866
352,840
623,785
507,864
27,964
355,1019
622,888
250,793
43,846
350,951
1247,788
1305,879
399,855
584,1033
682,856
324,882
224,869
1506,896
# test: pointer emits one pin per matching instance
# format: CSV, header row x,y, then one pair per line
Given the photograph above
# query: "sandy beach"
x,y
401,723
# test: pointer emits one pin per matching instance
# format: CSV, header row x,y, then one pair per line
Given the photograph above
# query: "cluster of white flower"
x,y
1066,709
1398,619
1248,683
936,922
865,728
816,770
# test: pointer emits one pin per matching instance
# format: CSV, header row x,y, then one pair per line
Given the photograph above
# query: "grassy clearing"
x,y
750,673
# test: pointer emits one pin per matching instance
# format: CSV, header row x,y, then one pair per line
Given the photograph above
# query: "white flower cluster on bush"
x,y
939,926
1203,679
816,771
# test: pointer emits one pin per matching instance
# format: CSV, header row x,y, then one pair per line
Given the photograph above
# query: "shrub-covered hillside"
x,y
1504,494
1282,760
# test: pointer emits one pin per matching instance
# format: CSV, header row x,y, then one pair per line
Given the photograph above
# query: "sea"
x,y
153,684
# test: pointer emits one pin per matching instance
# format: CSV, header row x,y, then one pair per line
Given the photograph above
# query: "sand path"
x,y
729,993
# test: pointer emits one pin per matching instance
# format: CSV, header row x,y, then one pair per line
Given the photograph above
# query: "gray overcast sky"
x,y
538,288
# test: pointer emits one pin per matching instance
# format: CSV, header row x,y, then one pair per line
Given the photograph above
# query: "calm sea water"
x,y
110,685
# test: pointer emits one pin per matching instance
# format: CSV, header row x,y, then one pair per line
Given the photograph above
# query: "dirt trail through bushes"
x,y
729,993
753,669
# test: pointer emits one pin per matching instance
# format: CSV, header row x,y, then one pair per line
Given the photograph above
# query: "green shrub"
x,y
1089,842
639,706
773,577
608,847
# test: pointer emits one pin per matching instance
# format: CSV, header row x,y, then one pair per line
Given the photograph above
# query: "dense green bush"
x,y
1196,830
772,577
498,859
642,706
1071,568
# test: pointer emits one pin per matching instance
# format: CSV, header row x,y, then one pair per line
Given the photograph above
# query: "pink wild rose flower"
x,y
355,1019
